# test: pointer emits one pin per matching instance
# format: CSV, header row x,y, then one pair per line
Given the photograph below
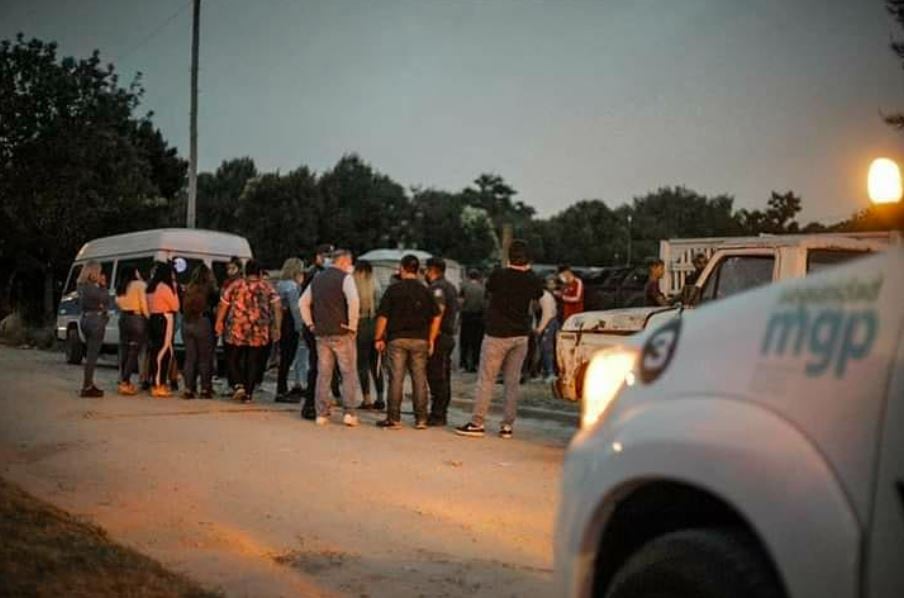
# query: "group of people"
x,y
149,312
337,329
411,330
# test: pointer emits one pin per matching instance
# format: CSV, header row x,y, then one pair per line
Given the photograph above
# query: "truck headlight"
x,y
607,373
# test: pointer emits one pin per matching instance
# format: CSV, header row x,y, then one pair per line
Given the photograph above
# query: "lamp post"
x,y
884,181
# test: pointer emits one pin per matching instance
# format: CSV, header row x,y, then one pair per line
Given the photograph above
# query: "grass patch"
x,y
45,551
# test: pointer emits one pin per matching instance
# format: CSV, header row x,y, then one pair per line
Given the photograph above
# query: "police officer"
x,y
439,367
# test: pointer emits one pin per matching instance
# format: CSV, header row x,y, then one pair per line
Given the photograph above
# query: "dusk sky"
x,y
567,99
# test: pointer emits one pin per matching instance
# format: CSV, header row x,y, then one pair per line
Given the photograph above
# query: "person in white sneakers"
x,y
508,325
329,308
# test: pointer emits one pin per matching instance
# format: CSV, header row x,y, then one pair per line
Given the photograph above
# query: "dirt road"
x,y
257,502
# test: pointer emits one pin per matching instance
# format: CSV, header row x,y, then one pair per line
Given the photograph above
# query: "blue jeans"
x,y
300,364
506,354
332,350
407,355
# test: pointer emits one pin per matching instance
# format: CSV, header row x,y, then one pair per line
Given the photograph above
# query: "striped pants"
x,y
162,328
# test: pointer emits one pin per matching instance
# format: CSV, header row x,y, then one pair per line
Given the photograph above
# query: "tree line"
x,y
79,161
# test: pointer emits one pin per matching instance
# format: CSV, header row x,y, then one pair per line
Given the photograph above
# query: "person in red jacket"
x,y
571,293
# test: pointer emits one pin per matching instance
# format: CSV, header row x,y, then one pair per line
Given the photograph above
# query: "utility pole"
x,y
193,126
629,239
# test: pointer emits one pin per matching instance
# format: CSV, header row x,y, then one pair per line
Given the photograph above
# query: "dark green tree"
x,y
363,209
74,161
491,193
219,193
279,215
896,9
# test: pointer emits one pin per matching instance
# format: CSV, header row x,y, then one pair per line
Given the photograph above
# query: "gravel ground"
x,y
251,500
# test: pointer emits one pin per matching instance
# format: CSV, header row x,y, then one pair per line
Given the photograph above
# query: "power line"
x,y
154,33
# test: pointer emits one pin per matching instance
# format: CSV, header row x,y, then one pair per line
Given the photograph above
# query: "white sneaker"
x,y
350,420
321,420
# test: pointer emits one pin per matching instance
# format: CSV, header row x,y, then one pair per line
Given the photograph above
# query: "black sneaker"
x,y
308,411
388,424
296,391
436,421
188,394
471,430
379,405
505,431
207,393
92,392
287,398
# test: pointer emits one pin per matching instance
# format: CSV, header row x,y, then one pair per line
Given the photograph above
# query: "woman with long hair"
x,y
94,301
163,304
290,350
368,358
132,301
198,304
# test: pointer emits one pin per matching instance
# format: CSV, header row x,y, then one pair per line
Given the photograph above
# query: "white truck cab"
x,y
751,449
735,266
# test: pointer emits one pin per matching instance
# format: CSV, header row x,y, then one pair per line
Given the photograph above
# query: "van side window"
x,y
107,269
738,273
124,267
820,259
219,272
191,263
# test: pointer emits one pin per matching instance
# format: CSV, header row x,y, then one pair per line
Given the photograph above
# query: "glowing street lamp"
x,y
884,181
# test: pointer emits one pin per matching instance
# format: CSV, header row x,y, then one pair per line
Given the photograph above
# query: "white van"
x,y
119,253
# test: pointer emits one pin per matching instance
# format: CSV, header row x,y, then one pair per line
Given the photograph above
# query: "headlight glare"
x,y
608,371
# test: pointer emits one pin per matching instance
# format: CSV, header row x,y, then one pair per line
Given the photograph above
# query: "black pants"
x,y
311,342
245,364
228,348
161,328
133,334
368,359
439,376
469,339
92,326
288,345
198,350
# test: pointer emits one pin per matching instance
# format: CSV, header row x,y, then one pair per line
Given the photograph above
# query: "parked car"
x,y
751,449
141,249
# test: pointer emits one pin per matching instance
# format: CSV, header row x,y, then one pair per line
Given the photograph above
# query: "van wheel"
x,y
697,563
73,347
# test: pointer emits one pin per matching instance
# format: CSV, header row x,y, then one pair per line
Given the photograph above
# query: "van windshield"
x,y
73,279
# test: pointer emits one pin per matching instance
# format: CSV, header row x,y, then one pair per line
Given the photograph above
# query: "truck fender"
x,y
746,455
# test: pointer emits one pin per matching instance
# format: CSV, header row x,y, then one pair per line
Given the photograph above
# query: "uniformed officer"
x,y
439,367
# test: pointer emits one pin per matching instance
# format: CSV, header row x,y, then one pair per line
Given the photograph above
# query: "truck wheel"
x,y
697,563
73,347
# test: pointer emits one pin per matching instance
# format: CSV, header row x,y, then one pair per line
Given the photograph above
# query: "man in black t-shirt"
x,y
408,322
508,323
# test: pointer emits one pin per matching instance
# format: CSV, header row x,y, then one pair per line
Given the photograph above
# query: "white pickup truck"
x,y
735,265
751,449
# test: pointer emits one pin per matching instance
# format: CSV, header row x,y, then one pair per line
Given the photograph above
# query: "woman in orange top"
x,y
163,303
